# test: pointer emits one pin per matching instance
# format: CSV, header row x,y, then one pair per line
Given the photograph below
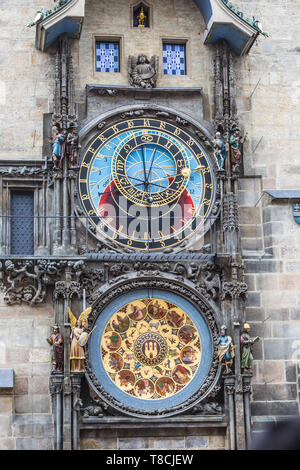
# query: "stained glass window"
x,y
174,59
22,223
107,56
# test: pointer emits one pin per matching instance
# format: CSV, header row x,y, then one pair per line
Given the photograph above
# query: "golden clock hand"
x,y
132,177
153,155
142,182
108,192
160,179
144,166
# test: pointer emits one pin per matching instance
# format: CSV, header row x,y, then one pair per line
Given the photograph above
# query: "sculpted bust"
x,y
142,72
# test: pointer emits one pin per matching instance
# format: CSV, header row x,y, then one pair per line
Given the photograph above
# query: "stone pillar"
x,y
229,387
239,402
66,215
247,392
76,404
239,414
56,388
57,237
64,115
67,383
72,211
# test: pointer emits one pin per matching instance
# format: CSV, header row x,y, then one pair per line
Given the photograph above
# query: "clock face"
x,y
146,184
150,350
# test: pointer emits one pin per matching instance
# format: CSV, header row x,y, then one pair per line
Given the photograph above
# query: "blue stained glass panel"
x,y
22,223
174,59
107,56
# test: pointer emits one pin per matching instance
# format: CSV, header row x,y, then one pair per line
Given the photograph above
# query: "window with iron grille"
x,y
107,56
22,223
174,59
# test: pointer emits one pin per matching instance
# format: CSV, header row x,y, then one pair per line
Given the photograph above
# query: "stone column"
x,y
229,387
56,388
239,414
239,403
57,236
67,382
65,231
247,392
72,211
76,404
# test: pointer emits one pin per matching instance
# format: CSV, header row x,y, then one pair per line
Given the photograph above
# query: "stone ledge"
x,y
218,421
112,90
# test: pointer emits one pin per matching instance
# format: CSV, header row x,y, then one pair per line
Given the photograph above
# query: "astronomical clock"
x,y
146,186
131,221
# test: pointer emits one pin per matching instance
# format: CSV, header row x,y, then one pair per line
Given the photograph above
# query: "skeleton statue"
x,y
219,150
142,73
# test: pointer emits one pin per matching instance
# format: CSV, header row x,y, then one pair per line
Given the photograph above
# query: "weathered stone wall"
x,y
171,19
268,103
26,420
26,81
155,438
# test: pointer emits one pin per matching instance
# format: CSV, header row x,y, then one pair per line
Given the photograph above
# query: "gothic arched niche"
x,y
141,15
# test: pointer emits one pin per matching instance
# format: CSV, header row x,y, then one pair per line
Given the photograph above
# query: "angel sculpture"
x,y
78,339
142,73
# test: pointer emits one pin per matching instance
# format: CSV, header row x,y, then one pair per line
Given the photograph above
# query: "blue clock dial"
x,y
146,184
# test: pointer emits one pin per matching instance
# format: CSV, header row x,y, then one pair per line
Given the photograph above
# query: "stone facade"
x,y
26,410
183,439
34,95
266,97
268,87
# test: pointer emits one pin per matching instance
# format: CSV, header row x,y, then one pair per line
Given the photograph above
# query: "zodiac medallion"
x,y
150,349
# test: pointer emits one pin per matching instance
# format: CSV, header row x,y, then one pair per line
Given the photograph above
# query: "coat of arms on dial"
x,y
150,349
146,184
